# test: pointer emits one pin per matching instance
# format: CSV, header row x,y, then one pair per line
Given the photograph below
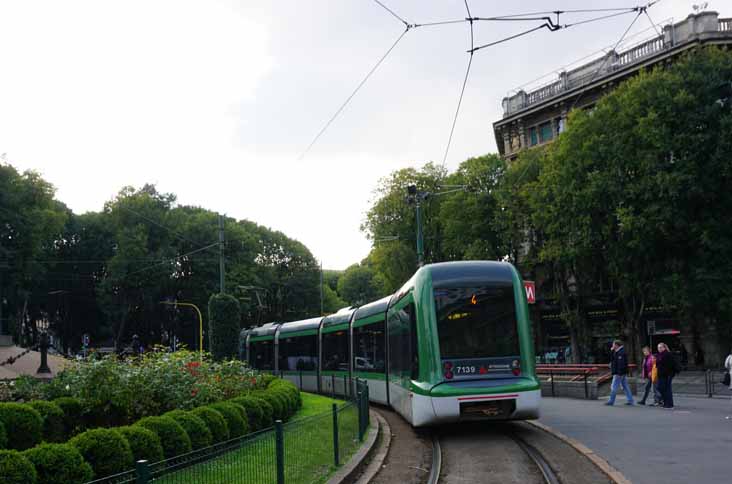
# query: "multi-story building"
x,y
536,116
532,118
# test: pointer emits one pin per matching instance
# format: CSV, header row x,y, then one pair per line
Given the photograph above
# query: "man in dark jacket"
x,y
619,370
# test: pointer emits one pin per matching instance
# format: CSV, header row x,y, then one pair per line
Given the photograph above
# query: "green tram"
x,y
454,343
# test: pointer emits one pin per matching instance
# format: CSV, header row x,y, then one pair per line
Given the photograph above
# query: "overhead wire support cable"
x,y
406,24
181,237
592,79
167,260
360,84
462,90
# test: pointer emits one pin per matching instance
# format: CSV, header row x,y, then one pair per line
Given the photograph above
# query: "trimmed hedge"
x,y
3,436
267,411
59,464
173,438
144,443
194,426
106,450
215,422
254,411
23,425
73,414
53,420
279,412
15,468
237,425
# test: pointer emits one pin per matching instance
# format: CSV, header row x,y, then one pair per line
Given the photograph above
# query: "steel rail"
x,y
434,476
546,471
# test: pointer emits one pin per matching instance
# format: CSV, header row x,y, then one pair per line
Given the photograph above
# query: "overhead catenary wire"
x,y
148,219
406,24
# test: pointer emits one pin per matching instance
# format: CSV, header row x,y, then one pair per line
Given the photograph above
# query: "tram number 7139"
x,y
464,370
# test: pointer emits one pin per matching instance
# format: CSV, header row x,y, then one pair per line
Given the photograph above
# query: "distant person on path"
x,y
728,377
667,369
619,370
647,371
684,357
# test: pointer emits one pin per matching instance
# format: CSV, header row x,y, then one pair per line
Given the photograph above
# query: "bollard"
x,y
587,393
551,375
301,380
280,452
142,470
711,383
345,387
335,435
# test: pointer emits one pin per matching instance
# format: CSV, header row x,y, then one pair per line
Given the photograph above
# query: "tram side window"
x,y
335,351
369,348
298,353
403,357
261,355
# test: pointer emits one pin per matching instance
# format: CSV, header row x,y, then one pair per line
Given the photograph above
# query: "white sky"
x,y
215,100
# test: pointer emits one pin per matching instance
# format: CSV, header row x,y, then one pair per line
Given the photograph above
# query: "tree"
x,y
224,322
359,285
635,185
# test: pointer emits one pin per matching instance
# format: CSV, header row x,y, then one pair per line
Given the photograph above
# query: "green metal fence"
x,y
303,451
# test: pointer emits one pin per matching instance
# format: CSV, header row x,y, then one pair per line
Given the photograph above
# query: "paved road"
x,y
689,444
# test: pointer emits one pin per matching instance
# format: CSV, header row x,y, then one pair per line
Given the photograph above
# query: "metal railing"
x,y
586,373
298,452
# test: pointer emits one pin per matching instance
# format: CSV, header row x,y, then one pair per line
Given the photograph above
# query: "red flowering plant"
x,y
154,383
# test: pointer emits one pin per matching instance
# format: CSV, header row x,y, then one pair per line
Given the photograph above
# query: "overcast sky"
x,y
215,100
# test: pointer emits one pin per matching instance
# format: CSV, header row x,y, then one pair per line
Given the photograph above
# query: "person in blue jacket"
x,y
619,370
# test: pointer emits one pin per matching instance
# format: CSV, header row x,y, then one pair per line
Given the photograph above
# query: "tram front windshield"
x,y
477,327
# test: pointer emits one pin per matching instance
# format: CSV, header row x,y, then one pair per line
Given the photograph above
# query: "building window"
x,y
545,132
533,139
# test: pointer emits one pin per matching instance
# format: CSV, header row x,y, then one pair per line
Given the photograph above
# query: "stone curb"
x,y
378,460
612,473
348,470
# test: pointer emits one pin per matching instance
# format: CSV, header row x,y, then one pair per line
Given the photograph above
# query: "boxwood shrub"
x,y
73,414
15,468
278,409
23,425
237,425
59,464
255,414
53,420
173,438
267,411
215,423
194,426
144,443
3,436
106,450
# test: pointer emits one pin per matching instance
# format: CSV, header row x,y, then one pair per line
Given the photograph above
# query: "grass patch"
x,y
308,445
313,404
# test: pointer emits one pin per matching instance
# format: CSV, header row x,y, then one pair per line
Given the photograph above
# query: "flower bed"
x,y
166,395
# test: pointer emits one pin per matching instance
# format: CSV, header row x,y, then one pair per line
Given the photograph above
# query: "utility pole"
x,y
321,287
221,254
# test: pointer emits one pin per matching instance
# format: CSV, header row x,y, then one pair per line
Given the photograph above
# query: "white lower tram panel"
x,y
422,410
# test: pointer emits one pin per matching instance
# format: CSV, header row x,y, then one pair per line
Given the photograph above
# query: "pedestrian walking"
x,y
667,369
619,370
647,372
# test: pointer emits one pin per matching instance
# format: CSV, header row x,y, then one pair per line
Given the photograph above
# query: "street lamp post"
x,y
200,323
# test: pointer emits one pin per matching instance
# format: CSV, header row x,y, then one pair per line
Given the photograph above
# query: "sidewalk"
x,y
689,444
